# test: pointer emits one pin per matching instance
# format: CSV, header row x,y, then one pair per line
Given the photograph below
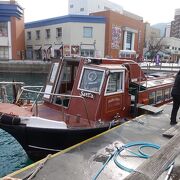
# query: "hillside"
x,y
160,26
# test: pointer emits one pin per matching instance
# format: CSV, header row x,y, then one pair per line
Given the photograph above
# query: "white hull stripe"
x,y
36,147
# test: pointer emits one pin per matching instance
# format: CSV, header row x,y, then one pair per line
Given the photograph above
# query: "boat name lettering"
x,y
113,100
87,94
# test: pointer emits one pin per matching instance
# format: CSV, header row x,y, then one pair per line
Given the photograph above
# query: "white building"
x,y
85,7
71,35
172,46
168,30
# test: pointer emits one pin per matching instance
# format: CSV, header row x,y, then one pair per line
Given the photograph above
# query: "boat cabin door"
x,y
61,79
116,99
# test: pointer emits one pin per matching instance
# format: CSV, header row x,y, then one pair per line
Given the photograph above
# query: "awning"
x,y
45,47
57,46
87,46
37,47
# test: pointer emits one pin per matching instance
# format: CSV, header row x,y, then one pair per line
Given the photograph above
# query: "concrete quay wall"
x,y
27,66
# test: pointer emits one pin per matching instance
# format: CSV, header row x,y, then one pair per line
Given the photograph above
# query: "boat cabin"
x,y
92,89
100,90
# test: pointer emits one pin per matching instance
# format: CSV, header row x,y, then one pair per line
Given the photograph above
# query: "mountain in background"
x,y
160,26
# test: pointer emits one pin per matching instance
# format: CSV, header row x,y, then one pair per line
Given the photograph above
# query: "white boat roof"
x,y
111,66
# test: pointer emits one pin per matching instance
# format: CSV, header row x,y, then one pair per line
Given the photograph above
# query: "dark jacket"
x,y
176,87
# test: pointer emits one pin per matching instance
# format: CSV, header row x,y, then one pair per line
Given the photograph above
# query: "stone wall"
x,y
25,66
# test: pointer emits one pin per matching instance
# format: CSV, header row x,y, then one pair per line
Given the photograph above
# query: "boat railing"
x,y
40,92
16,86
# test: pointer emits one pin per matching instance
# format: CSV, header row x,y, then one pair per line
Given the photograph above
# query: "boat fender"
x,y
9,119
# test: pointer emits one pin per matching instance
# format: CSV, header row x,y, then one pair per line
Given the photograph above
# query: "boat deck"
x,y
47,112
84,161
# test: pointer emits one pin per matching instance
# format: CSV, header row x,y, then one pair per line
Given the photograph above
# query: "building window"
x,y
129,41
3,29
38,34
29,35
59,32
87,32
87,52
81,9
71,6
167,47
106,8
48,33
4,53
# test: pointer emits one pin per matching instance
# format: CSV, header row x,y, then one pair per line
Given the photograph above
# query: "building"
x,y
12,41
151,35
175,25
85,7
172,47
168,30
123,34
70,35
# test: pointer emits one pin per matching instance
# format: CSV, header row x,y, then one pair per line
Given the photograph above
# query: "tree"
x,y
155,45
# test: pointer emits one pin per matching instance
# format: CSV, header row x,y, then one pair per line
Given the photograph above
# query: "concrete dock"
x,y
85,160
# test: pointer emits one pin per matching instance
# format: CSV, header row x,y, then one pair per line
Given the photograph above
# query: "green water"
x,y
12,156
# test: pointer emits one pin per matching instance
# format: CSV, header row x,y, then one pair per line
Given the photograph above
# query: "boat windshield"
x,y
91,80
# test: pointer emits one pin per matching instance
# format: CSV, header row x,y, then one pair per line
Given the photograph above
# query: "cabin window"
x,y
67,74
91,80
152,97
159,96
166,94
53,73
48,90
115,83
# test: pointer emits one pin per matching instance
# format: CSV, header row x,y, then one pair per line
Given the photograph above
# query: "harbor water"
x,y
12,156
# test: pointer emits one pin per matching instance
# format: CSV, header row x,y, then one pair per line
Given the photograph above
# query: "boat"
x,y
83,97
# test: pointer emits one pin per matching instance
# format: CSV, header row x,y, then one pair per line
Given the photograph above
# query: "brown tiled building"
x,y
175,25
122,33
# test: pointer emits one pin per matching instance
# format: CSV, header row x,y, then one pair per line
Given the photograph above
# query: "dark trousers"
x,y
176,104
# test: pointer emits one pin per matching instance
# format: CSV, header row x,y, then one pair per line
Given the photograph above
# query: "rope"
x,y
32,174
117,152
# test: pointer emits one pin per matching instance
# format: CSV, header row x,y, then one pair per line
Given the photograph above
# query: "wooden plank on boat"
x,y
153,167
172,131
151,109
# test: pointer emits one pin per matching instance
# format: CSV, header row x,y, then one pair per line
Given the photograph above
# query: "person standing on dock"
x,y
176,99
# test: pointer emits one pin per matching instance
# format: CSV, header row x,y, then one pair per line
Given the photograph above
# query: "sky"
x,y
152,11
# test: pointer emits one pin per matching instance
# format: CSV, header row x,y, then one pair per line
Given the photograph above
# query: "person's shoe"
x,y
173,123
